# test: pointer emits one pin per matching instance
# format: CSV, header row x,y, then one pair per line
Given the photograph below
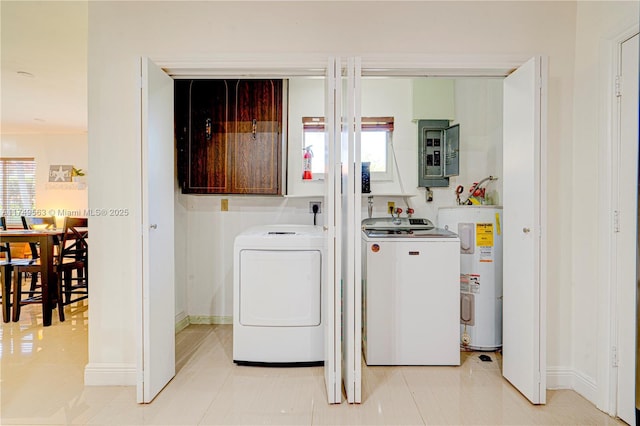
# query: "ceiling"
x,y
43,65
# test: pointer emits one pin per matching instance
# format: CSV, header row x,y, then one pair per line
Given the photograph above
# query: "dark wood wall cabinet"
x,y
230,136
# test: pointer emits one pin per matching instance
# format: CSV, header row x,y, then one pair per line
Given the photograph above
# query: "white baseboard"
x,y
567,378
560,378
586,386
110,374
182,321
203,319
122,374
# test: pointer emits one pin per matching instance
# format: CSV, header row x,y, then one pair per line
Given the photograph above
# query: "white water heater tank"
x,y
479,229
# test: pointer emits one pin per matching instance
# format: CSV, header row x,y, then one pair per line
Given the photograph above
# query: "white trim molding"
x,y
567,378
560,378
110,374
182,321
585,386
204,319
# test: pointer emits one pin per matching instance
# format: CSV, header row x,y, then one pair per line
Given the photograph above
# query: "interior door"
x,y
156,356
627,237
332,295
351,253
524,307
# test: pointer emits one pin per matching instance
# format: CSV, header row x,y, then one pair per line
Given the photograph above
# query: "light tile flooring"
x,y
41,382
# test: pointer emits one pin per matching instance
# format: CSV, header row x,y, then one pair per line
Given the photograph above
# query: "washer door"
x,y
280,288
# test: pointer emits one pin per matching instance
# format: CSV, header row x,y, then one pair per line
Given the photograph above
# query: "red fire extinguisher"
x,y
306,163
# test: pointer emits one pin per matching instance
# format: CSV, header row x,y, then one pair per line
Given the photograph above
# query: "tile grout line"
x,y
413,398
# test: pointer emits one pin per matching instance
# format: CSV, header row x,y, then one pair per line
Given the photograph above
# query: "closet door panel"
x,y
208,137
255,159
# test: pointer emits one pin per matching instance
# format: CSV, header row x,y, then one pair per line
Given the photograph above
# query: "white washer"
x,y
277,295
411,296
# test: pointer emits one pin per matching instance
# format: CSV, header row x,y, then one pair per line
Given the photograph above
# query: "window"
x,y
17,188
375,141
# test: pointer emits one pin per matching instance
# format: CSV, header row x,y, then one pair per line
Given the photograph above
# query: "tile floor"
x,y
41,382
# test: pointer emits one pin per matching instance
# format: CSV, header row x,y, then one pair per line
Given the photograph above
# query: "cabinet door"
x,y
204,160
255,157
181,127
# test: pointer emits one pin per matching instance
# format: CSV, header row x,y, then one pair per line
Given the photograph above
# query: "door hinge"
x,y
616,221
614,356
618,86
331,231
539,83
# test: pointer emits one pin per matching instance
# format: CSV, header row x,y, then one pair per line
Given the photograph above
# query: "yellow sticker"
x,y
484,234
498,223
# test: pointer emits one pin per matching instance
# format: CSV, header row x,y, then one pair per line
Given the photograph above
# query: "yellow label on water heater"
x,y
484,234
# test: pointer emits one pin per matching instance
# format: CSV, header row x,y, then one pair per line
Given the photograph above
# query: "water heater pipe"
x,y
395,161
476,186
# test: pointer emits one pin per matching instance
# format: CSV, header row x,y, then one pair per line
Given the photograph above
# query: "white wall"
x,y
53,199
306,99
478,109
120,32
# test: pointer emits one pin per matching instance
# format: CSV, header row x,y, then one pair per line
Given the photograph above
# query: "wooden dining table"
x,y
46,239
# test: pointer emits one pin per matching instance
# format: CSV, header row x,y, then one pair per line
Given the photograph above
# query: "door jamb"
x,y
607,373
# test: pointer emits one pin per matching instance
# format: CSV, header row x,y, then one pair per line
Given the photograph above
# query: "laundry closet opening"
x,y
205,231
206,227
431,243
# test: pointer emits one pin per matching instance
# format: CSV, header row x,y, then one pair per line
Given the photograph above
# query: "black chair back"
x,y
46,222
74,239
4,248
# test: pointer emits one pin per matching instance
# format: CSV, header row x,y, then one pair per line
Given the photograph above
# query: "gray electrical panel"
x,y
438,152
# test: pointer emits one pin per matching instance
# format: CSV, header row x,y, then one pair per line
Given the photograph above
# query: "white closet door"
x,y
351,211
332,271
524,313
156,357
627,238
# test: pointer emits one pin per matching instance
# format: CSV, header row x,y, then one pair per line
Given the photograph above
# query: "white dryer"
x,y
277,295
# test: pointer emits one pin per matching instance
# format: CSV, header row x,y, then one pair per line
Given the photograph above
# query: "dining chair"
x,y
5,275
5,248
46,222
73,256
34,267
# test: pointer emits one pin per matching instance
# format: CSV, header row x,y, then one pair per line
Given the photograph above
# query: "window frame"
x,y
386,124
10,209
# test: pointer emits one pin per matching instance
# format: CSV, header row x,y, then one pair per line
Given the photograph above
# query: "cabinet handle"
x,y
207,128
254,129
